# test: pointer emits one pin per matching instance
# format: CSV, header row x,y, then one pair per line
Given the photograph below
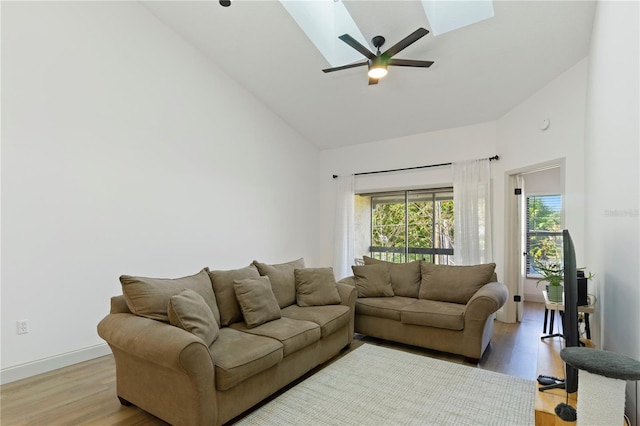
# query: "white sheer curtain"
x,y
344,233
472,212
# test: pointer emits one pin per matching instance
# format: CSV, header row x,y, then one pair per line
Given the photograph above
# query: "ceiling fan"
x,y
378,62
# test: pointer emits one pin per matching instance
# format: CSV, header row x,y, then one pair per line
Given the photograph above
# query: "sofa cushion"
x,y
455,284
148,297
256,299
189,311
372,280
293,334
330,317
282,279
405,277
316,287
434,314
383,307
238,356
222,282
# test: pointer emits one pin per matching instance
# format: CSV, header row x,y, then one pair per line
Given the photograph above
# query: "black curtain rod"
x,y
495,157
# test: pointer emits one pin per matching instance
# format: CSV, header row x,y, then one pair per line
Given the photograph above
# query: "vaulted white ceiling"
x,y
480,71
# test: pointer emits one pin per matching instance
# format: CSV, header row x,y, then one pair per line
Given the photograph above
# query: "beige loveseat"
x,y
446,308
202,349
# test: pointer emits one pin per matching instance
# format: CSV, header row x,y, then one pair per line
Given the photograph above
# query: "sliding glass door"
x,y
413,225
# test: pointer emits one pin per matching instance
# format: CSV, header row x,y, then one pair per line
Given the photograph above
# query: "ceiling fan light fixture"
x,y
377,70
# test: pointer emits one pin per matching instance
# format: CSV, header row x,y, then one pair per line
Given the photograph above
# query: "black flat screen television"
x,y
570,321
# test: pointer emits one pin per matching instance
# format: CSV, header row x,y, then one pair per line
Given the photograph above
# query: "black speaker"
x,y
583,300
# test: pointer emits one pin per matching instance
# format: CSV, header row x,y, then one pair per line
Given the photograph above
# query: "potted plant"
x,y
554,275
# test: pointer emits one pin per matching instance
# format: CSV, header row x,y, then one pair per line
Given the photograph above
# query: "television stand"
x,y
550,364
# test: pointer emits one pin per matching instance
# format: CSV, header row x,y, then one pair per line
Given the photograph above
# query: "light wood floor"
x,y
85,393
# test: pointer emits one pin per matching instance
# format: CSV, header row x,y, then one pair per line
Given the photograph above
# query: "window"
x,y
412,225
544,231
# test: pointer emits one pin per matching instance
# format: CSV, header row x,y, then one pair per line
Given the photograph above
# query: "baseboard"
x,y
11,374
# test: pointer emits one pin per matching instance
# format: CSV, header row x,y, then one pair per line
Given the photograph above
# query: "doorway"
x,y
534,216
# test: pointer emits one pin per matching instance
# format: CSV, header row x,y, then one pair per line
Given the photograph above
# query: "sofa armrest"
x,y
486,301
119,305
162,369
351,281
347,294
156,342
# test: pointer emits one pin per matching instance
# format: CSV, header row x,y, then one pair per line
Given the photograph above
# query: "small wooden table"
x,y
550,364
559,306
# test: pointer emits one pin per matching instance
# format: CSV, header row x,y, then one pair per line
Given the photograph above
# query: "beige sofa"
x,y
202,349
446,308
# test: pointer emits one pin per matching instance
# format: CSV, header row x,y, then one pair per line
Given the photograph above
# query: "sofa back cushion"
x,y
283,281
405,277
190,312
222,282
149,297
256,299
316,287
372,280
455,284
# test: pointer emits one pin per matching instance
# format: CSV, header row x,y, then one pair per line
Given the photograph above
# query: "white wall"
x,y
523,146
612,179
464,143
124,151
515,137
543,182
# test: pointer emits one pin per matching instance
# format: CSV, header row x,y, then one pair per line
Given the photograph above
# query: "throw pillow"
x,y
405,277
282,279
316,287
455,284
372,280
222,282
190,312
257,301
148,297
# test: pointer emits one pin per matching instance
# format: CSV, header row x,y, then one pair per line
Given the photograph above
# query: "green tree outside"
x,y
390,228
544,245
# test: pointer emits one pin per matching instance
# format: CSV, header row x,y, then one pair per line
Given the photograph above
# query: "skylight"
x,y
445,16
323,21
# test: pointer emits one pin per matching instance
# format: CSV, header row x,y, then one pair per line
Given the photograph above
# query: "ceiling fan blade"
x,y
410,63
405,42
356,45
344,67
373,81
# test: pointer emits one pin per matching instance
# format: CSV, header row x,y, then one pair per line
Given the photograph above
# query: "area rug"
x,y
373,385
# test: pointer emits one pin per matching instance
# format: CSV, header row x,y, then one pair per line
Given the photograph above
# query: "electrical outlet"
x,y
23,326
